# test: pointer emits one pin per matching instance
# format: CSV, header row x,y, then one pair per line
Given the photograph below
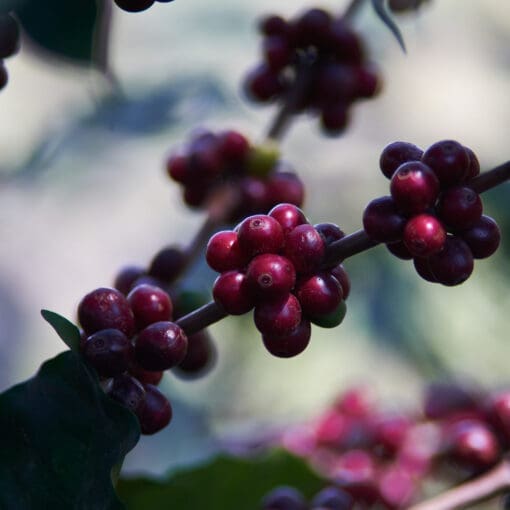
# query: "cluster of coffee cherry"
x,y
380,459
210,162
324,53
9,43
137,5
433,216
273,263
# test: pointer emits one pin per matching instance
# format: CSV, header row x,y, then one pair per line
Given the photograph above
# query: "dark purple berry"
x,y
231,292
341,275
423,269
285,187
335,83
332,498
446,399
290,344
270,276
449,161
319,294
109,351
368,83
483,237
200,357
260,234
334,118
382,221
160,346
167,264
128,391
145,376
329,232
344,42
397,153
288,216
453,264
106,308
254,196
155,413
278,317
263,84
277,51
424,235
273,25
474,165
177,167
305,248
331,319
150,304
134,5
284,498
399,250
460,207
9,36
126,277
312,27
223,252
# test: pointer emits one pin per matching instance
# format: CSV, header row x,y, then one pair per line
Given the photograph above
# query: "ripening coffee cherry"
x,y
367,82
499,413
474,165
270,276
460,207
260,234
167,264
263,84
319,294
150,304
232,293
305,248
453,264
422,267
200,357
449,161
223,252
126,277
390,432
400,250
331,319
382,221
155,413
177,167
335,83
278,317
134,5
341,275
109,351
160,346
284,498
329,232
288,216
447,399
233,147
144,376
424,235
106,308
483,237
397,153
277,51
344,43
290,344
128,391
332,498
334,118
397,487
285,187
414,187
273,25
9,36
311,27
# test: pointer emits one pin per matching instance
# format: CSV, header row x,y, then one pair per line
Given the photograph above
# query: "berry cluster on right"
x,y
272,263
137,5
432,216
9,43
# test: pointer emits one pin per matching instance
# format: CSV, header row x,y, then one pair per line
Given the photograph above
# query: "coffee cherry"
x,y
233,147
277,51
290,344
414,187
288,216
319,294
329,232
109,351
483,237
9,36
270,276
232,293
474,164
449,161
332,498
200,357
367,83
391,431
134,5
155,413
128,391
260,234
311,27
423,269
343,279
397,487
499,413
331,319
106,308
453,264
279,317
273,25
4,76
167,264
254,196
305,248
285,187
424,235
400,250
126,277
177,167
460,207
284,498
335,83
160,346
149,304
344,42
144,376
397,153
223,252
263,84
334,118
444,399
382,221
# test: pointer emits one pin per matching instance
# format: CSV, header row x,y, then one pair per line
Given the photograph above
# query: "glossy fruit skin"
x,y
106,308
231,292
149,304
453,264
223,252
128,391
341,275
319,294
288,216
260,234
9,36
305,248
422,267
460,207
160,346
449,161
200,357
270,276
382,221
483,237
109,351
167,264
278,317
397,153
284,498
155,413
290,344
134,5
424,235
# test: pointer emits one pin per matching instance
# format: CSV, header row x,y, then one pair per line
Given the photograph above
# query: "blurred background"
x,y
83,192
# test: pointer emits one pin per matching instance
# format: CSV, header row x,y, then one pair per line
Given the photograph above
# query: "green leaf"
x,y
65,329
65,28
380,9
60,437
226,483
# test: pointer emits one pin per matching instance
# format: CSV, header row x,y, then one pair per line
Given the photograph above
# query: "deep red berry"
x,y
357,402
335,83
397,153
334,118
305,248
312,27
424,235
453,264
160,346
273,25
285,187
399,250
9,36
106,308
223,252
134,5
319,294
329,232
382,221
390,432
150,304
145,376
449,160
344,42
126,277
155,413
368,83
232,293
200,357
483,237
263,84
341,275
414,187
284,498
270,276
260,234
499,413
195,196
167,264
288,216
290,344
423,269
128,391
332,498
205,161
277,51
460,207
233,147
278,317
109,351
177,167
474,165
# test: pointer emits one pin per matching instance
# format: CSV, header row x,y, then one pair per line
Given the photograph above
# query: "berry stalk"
x,y
201,318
